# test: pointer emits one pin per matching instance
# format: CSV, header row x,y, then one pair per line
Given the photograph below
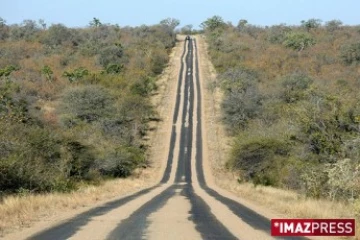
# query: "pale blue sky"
x,y
134,12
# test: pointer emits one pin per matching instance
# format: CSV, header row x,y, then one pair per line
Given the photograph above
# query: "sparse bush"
x,y
314,181
343,180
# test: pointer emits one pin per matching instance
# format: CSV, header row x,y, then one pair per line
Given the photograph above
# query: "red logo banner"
x,y
313,227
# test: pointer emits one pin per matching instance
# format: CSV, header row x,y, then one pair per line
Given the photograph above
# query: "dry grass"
x,y
286,203
17,212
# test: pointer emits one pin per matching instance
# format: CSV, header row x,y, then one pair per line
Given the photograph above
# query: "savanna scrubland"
x,y
291,105
74,102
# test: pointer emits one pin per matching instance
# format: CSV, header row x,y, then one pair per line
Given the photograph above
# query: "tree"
x,y
187,29
42,23
26,30
333,25
242,23
170,22
4,29
57,34
277,33
213,23
95,23
311,24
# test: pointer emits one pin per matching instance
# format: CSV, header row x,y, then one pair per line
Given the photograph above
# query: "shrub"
x,y
121,162
298,41
314,181
57,34
257,158
76,74
87,103
295,86
242,100
277,34
110,55
80,160
350,53
343,180
143,86
32,159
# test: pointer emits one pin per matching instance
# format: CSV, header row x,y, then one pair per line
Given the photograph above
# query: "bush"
x,y
121,162
144,86
295,86
343,180
350,53
314,181
87,103
298,41
277,34
110,55
257,158
242,100
80,160
57,34
32,159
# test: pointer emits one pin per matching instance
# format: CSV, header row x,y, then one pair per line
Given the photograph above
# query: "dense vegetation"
x,y
292,103
74,102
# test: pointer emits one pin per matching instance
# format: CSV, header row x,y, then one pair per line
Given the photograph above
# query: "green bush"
x,y
298,41
258,158
32,158
144,86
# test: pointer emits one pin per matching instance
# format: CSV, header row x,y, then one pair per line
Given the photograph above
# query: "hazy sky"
x,y
135,12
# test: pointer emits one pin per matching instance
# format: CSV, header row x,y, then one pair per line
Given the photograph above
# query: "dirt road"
x,y
185,204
